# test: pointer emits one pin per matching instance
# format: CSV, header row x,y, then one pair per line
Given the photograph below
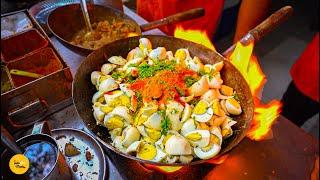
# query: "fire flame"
x,y
243,59
163,169
264,117
195,36
264,114
132,34
218,160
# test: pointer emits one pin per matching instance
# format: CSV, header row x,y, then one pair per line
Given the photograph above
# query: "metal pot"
x,y
65,21
40,133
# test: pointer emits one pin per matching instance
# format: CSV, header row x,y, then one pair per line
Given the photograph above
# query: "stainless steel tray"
x,y
31,102
41,10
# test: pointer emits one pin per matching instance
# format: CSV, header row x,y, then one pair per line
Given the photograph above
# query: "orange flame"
x,y
195,36
264,117
218,160
132,34
249,67
163,169
243,59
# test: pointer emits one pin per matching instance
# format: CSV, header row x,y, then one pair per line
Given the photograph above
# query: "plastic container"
x,y
22,44
6,83
13,24
43,62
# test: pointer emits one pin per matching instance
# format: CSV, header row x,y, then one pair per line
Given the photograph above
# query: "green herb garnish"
x,y
139,99
194,101
117,75
236,96
131,79
165,123
180,91
146,70
189,80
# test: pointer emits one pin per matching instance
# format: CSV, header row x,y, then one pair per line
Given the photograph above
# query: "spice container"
x,y
32,99
6,84
16,47
42,62
13,24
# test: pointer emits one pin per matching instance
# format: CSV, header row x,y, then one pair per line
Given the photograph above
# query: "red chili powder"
x,y
163,86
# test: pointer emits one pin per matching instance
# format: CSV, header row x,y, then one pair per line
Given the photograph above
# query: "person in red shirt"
x,y
301,100
156,9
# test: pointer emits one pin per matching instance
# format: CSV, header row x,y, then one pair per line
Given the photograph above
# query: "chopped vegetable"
x,y
189,80
165,124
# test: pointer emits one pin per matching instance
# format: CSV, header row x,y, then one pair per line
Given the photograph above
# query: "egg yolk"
x,y
214,139
226,132
207,148
143,118
180,54
125,100
204,126
106,109
147,152
122,100
216,108
194,136
153,134
226,90
114,122
149,140
102,78
201,107
234,103
207,69
101,99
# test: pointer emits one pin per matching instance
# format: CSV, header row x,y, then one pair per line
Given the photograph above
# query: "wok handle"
x,y
179,17
264,28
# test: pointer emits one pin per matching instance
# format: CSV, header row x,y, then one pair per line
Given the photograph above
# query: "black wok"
x,y
83,90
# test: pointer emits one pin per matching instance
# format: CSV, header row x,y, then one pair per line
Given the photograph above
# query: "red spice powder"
x,y
163,86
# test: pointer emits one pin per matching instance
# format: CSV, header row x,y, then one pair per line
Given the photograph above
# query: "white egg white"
x,y
188,126
213,151
203,142
123,112
154,121
203,117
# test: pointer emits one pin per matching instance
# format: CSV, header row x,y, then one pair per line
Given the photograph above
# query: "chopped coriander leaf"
x,y
131,79
132,65
139,101
236,96
146,70
194,101
180,91
190,80
202,73
139,96
165,123
117,75
174,111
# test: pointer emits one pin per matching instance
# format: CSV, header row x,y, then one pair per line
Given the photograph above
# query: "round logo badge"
x,y
19,164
